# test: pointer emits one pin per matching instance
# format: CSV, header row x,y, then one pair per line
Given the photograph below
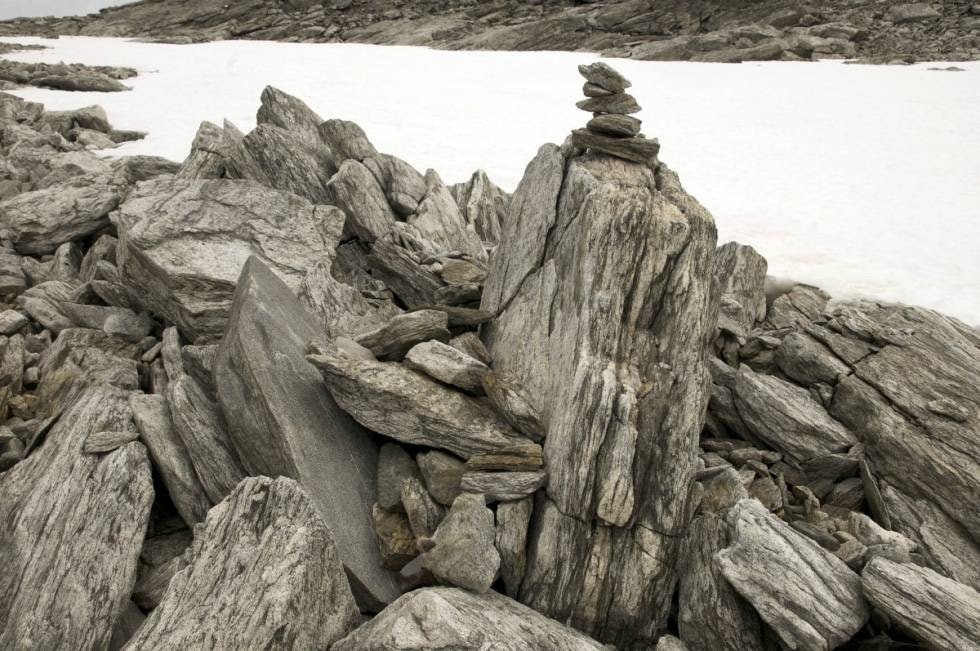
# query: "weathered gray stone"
x,y
356,191
205,160
39,222
291,593
395,467
107,441
443,473
424,514
438,220
935,610
74,525
446,364
167,226
483,205
621,126
604,76
464,554
403,186
807,595
637,150
396,541
503,486
396,337
741,271
282,421
151,413
451,618
514,405
513,519
617,104
401,404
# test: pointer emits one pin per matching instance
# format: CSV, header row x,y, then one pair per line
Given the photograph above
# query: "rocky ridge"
x,y
675,30
294,393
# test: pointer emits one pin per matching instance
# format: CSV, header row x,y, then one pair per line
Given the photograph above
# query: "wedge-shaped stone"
x,y
39,222
201,428
937,611
73,528
169,454
263,574
782,415
483,205
464,553
805,593
396,337
183,243
742,274
438,219
450,618
356,191
394,401
503,486
513,519
283,421
637,150
446,364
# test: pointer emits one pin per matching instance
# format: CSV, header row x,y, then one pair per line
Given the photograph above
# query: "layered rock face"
x,y
664,30
294,393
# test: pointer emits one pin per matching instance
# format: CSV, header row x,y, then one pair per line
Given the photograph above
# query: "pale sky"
x,y
15,8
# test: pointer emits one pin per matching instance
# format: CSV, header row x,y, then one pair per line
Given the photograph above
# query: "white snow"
x,y
863,180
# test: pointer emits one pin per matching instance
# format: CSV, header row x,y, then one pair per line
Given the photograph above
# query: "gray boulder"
x,y
464,553
283,421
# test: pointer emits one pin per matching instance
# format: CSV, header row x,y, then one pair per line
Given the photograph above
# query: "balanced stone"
x,y
614,125
638,150
603,76
619,104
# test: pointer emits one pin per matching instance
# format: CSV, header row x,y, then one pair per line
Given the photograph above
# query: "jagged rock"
x,y
513,519
801,305
779,413
514,405
395,467
446,364
126,626
807,595
282,421
483,205
160,256
562,268
205,160
396,541
741,271
152,583
935,610
396,337
401,404
471,344
637,150
291,593
118,321
621,126
403,186
341,308
464,554
523,240
346,140
396,259
451,618
288,160
443,473
356,191
74,525
919,428
39,222
200,426
503,486
807,361
605,77
438,220
424,514
169,454
616,104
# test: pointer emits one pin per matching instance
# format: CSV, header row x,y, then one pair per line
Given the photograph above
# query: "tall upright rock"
x,y
604,294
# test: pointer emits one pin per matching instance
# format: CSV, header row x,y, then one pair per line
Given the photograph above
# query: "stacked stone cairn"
x,y
612,130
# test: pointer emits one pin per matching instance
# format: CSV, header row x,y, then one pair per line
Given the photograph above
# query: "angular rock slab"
x,y
621,399
408,407
263,574
805,593
183,243
465,553
935,610
450,618
73,526
282,421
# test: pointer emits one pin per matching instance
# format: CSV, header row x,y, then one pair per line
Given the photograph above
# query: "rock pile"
x,y
612,130
60,76
293,393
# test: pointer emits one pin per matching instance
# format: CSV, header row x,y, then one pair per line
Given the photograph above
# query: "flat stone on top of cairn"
x,y
612,130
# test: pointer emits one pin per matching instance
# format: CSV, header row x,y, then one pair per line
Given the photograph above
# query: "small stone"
x,y
12,321
513,403
395,468
637,150
503,486
447,364
618,104
424,514
615,125
471,344
515,462
593,90
442,473
395,338
395,539
604,76
465,554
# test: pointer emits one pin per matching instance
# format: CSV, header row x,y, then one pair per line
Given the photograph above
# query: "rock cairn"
x,y
612,130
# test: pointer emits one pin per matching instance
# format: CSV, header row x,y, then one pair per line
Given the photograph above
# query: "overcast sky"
x,y
14,8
